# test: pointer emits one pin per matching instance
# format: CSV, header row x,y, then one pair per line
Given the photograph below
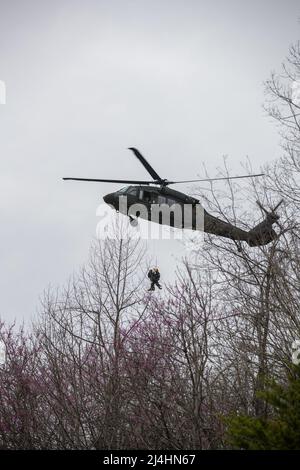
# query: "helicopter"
x,y
143,198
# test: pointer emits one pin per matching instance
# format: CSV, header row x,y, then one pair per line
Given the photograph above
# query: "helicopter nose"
x,y
108,198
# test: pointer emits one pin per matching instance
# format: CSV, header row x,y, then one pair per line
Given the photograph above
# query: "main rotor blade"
x,y
109,181
144,162
216,179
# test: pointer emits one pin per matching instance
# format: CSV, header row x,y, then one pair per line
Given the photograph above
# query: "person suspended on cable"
x,y
154,276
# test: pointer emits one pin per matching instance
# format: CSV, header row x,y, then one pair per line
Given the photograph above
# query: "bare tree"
x,y
87,324
283,105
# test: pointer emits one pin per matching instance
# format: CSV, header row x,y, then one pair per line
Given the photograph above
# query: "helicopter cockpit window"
x,y
123,190
132,191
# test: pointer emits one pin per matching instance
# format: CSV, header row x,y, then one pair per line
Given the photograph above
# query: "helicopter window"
x,y
162,200
171,201
132,191
147,197
123,190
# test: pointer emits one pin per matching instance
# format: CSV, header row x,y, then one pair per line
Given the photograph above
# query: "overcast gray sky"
x,y
180,80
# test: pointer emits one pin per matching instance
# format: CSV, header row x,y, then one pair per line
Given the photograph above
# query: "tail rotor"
x,y
271,216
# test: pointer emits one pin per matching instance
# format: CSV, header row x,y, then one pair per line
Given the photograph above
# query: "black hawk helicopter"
x,y
156,193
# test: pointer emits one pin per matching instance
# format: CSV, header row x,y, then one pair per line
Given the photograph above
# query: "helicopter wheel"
x,y
133,222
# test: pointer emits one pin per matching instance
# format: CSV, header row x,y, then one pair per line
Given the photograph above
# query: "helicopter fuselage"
x,y
155,201
152,203
162,205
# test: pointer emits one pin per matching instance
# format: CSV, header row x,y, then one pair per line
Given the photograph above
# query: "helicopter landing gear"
x,y
133,222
